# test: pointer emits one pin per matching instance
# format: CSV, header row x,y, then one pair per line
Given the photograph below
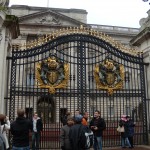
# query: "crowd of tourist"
x,y
73,126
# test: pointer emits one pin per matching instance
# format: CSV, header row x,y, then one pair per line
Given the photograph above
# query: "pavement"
x,y
137,147
141,147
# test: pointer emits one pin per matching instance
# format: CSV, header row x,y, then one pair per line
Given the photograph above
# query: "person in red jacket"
x,y
85,118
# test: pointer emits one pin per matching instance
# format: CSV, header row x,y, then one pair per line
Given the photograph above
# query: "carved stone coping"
x,y
12,23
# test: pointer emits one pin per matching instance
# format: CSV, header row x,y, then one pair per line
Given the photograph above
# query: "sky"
x,y
124,13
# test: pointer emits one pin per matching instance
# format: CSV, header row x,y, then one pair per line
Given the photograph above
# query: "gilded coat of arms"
x,y
52,74
109,76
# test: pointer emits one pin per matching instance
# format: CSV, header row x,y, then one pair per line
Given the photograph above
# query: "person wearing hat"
x,y
74,132
131,126
124,135
5,126
64,134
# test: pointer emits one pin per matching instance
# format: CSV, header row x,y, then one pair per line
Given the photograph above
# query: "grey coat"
x,y
64,137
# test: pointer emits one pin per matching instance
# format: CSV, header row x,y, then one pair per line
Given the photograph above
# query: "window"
x,y
127,77
91,78
127,80
111,98
127,110
30,79
92,110
29,113
111,111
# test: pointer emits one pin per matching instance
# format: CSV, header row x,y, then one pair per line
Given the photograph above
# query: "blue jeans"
x,y
124,142
36,140
20,148
97,143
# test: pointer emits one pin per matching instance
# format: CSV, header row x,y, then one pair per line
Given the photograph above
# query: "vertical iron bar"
x,y
143,96
12,88
81,73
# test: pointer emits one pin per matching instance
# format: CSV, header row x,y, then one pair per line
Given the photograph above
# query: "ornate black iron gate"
x,y
79,68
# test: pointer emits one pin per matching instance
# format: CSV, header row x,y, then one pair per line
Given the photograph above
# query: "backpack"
x,y
86,137
2,139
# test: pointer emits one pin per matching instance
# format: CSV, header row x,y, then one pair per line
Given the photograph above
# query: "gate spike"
x,y
60,32
43,40
77,29
32,43
70,28
46,38
91,31
27,45
81,26
67,30
53,35
23,46
84,29
19,47
39,41
63,31
74,29
35,42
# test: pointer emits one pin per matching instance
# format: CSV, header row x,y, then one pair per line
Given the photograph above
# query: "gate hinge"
x,y
6,97
8,57
147,64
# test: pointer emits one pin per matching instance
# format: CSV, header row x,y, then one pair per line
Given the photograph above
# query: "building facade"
x,y
60,63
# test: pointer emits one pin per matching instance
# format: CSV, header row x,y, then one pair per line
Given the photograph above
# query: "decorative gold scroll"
x,y
109,76
81,30
52,74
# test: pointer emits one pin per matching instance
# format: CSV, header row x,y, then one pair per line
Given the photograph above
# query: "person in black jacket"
x,y
36,133
64,134
65,117
74,133
97,125
124,135
20,129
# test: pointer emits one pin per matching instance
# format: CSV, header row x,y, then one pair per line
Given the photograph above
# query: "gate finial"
x,y
81,26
